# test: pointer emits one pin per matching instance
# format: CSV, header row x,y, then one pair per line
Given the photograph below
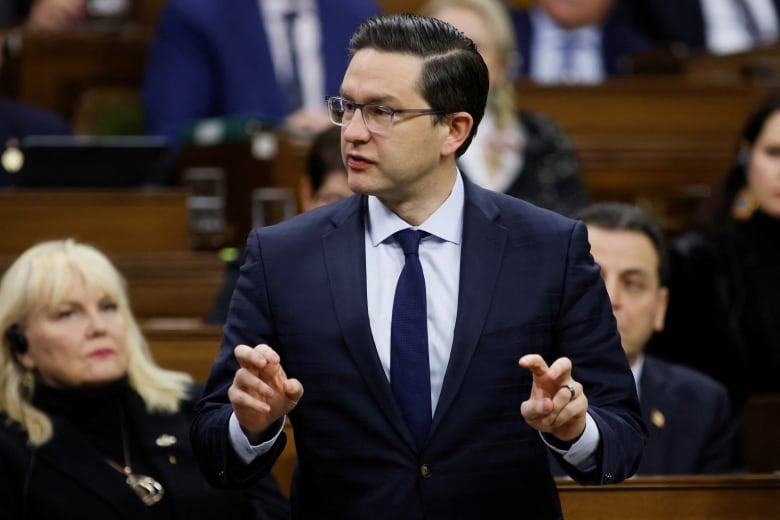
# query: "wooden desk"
x,y
726,497
115,221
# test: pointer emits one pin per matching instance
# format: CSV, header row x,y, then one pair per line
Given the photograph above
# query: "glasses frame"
x,y
392,111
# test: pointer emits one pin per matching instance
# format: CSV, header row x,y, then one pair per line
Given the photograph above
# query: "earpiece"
x,y
16,339
743,158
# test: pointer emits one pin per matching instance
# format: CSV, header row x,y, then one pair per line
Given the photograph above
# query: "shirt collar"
x,y
445,223
637,370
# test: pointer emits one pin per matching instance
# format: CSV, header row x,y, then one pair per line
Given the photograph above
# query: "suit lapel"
x,y
657,405
345,256
482,252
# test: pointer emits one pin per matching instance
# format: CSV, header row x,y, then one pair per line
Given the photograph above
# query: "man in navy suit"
x,y
522,353
215,59
701,26
692,429
560,41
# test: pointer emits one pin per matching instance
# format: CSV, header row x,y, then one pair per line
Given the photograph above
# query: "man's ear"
x,y
459,128
662,304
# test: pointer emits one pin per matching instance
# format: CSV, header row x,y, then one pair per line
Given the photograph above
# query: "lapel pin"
x,y
165,440
657,418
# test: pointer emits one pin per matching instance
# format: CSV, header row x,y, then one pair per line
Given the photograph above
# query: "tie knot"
x,y
409,240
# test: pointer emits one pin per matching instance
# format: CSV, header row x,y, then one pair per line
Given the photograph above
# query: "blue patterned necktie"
x,y
293,89
410,376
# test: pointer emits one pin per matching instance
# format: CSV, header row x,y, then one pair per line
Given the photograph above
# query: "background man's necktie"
x,y
293,89
410,376
749,21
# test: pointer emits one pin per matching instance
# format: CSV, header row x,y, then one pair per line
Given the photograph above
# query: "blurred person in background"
x,y
90,426
517,152
274,60
688,414
575,42
725,274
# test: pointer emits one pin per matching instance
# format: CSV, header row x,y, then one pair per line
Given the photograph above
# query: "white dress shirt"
x,y
505,144
726,31
308,42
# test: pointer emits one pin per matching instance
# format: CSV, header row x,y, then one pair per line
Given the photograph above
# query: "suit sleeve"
x,y
248,323
588,336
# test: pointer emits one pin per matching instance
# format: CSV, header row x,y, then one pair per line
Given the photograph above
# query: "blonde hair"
x,y
501,99
39,279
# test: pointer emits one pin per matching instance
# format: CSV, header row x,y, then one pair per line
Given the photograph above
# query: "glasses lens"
x,y
336,110
378,118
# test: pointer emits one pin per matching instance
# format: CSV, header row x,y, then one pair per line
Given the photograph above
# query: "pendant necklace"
x,y
149,490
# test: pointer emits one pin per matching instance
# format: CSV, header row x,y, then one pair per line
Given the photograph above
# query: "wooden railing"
x,y
717,497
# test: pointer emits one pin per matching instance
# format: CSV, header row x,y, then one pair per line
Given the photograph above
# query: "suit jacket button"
x,y
425,471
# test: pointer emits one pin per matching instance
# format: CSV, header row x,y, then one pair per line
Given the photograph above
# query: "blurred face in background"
x,y
334,187
763,172
572,14
80,341
629,267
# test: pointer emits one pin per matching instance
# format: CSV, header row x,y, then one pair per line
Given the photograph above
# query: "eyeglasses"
x,y
378,118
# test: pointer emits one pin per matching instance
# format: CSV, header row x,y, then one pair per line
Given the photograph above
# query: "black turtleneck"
x,y
98,414
93,411
757,256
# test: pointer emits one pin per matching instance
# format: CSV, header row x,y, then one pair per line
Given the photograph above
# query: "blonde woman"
x,y
521,153
90,426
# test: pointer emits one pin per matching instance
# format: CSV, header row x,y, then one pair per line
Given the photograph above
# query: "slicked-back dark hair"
x,y
621,216
454,77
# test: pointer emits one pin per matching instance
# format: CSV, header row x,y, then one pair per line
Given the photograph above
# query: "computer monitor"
x,y
78,161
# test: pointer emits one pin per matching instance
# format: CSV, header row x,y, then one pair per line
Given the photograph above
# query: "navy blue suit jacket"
x,y
666,23
528,285
619,43
691,427
212,59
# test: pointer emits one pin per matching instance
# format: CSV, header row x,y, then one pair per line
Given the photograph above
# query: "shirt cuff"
x,y
246,451
582,453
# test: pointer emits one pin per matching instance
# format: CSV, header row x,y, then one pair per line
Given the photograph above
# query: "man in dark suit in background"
x,y
511,332
725,27
692,429
269,59
581,42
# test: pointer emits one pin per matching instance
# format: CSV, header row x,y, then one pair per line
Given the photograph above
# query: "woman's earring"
x,y
744,205
28,382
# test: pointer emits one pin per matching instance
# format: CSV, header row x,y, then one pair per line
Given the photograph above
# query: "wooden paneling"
x,y
114,221
762,433
726,497
662,142
183,344
53,70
